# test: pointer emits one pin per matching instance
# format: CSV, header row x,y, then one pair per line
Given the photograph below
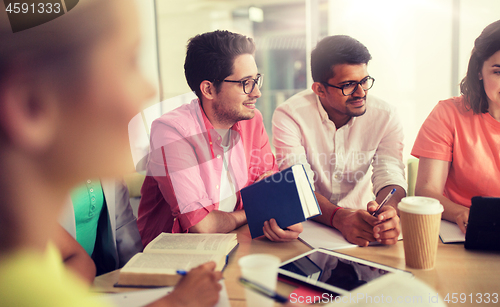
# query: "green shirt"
x,y
88,201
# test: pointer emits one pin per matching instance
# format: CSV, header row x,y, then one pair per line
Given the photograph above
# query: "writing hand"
x,y
386,229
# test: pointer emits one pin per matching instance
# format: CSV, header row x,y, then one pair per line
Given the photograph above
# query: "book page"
x,y
311,207
190,243
300,189
167,263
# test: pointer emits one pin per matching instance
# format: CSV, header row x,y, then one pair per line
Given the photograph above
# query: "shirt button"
x,y
91,190
218,156
88,181
217,187
93,199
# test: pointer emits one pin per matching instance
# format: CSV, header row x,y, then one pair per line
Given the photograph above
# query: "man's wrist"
x,y
333,215
339,217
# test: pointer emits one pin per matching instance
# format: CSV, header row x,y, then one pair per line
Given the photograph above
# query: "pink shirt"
x,y
185,167
470,142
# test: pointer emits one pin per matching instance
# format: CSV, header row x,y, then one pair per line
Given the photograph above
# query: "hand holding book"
x,y
286,197
274,233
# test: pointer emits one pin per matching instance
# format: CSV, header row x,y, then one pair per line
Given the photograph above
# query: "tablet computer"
x,y
335,272
483,227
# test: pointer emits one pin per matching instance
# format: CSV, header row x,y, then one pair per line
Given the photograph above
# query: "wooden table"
x,y
457,270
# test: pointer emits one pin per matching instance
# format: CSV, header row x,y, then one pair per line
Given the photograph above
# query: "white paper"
x,y
393,290
144,297
451,233
318,235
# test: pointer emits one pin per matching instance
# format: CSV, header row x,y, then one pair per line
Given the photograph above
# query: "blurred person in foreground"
x,y
459,143
65,84
338,131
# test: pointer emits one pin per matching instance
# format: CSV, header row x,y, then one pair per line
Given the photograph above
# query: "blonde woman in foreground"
x,y
68,89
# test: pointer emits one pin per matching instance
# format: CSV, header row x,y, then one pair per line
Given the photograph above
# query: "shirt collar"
x,y
324,115
321,109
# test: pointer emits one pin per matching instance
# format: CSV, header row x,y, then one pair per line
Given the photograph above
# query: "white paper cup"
x,y
420,221
262,269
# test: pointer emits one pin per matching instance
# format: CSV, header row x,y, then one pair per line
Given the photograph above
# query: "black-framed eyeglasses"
x,y
351,87
249,84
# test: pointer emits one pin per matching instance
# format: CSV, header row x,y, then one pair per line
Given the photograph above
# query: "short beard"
x,y
352,114
225,116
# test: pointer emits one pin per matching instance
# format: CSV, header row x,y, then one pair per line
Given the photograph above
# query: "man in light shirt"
x,y
203,153
339,133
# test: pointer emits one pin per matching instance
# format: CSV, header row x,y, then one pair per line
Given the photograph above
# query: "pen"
x,y
386,199
263,290
181,272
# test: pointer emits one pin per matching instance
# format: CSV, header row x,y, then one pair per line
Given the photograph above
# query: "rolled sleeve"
x,y
388,166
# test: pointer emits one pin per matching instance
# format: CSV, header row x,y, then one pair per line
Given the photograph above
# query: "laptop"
x,y
483,227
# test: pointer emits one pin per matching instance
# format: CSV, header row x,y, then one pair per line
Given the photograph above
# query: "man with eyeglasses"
x,y
338,132
203,153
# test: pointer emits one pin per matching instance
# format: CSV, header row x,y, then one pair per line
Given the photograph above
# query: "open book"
x,y
286,196
168,253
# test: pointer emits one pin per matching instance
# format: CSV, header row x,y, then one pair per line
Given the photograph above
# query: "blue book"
x,y
286,196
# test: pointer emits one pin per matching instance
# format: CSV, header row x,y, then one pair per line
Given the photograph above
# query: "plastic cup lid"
x,y
420,205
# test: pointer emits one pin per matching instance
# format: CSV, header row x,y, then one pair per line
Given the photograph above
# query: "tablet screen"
x,y
325,267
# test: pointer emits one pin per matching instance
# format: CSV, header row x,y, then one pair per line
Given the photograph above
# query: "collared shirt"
x,y
339,160
185,166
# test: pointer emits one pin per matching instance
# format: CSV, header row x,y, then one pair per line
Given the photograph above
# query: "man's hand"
x,y
202,282
355,225
264,176
386,230
274,233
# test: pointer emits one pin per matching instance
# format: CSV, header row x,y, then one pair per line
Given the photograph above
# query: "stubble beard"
x,y
229,116
357,111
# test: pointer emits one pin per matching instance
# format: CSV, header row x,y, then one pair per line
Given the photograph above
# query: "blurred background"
x,y
420,48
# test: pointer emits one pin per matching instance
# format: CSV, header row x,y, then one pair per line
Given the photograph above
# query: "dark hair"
x,y
333,50
210,56
471,87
